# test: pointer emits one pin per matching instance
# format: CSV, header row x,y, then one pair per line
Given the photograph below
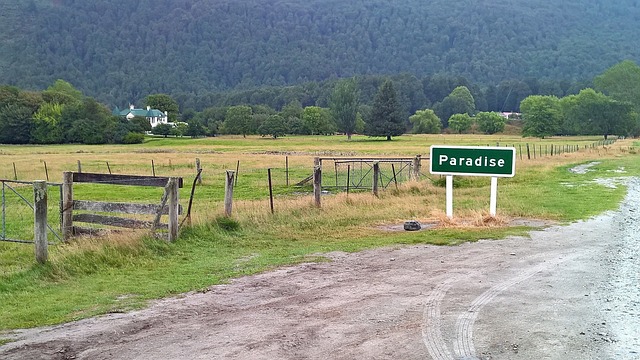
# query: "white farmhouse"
x,y
155,116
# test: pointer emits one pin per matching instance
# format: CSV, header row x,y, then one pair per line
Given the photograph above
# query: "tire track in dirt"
x,y
463,346
432,324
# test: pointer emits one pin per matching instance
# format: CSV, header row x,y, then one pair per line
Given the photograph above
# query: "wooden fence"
x,y
168,205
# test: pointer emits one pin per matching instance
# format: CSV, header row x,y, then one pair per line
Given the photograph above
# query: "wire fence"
x,y
17,211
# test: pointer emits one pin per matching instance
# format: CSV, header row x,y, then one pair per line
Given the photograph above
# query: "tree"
x,y
541,116
490,122
460,122
425,122
386,115
344,106
596,113
238,120
15,124
46,124
460,101
162,129
140,124
196,129
179,129
621,82
274,125
62,92
318,120
163,102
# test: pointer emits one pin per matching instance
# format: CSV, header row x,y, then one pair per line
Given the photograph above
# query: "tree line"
x,y
62,114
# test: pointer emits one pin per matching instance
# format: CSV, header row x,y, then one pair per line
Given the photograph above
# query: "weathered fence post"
x,y
15,172
528,153
46,171
228,193
173,209
67,205
40,225
286,167
198,170
376,177
317,184
270,190
79,166
415,174
237,172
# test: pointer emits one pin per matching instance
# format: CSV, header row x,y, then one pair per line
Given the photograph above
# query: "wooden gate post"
x,y
376,178
228,193
417,164
173,209
40,224
67,206
317,185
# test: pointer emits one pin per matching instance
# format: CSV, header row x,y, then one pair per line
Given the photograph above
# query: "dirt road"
x,y
567,292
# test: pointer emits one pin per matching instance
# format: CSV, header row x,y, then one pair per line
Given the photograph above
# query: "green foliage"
x,y
425,122
318,120
216,46
595,113
179,129
344,106
46,124
162,129
62,92
16,124
490,122
621,82
460,101
140,124
196,128
460,122
386,116
133,138
541,116
163,102
238,120
274,125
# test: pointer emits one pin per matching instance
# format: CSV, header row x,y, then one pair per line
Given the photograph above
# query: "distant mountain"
x,y
121,50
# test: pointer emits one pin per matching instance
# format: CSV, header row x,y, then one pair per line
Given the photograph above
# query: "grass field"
x,y
123,271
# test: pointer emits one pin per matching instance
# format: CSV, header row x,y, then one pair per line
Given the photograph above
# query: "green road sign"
x,y
473,160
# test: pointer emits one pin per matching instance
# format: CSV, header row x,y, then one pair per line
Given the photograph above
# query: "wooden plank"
x,y
122,208
112,179
112,221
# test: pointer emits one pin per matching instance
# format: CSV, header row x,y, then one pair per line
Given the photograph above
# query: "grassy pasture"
x,y
123,271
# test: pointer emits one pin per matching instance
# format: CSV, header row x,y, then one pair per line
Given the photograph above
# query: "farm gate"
x,y
357,173
99,215
18,206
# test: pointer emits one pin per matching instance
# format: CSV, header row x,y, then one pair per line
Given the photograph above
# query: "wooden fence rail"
x,y
169,204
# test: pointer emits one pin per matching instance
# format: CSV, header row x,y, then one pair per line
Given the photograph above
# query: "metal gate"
x,y
357,173
17,215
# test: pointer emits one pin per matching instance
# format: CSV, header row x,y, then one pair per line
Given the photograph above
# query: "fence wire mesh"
x,y
357,173
17,214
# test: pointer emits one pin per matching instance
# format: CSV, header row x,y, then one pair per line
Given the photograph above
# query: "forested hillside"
x,y
119,51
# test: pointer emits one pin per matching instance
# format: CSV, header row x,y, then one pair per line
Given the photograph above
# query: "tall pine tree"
x,y
386,115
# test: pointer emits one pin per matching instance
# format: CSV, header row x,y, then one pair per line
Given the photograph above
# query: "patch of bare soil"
x,y
565,292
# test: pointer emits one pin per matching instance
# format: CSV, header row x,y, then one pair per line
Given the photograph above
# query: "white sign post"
x,y
472,161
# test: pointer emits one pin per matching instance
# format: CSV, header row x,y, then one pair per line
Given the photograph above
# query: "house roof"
x,y
139,112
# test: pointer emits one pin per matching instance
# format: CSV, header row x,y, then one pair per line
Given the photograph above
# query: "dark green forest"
x,y
220,52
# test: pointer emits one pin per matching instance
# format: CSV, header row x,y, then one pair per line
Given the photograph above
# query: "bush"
x,y
133,138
